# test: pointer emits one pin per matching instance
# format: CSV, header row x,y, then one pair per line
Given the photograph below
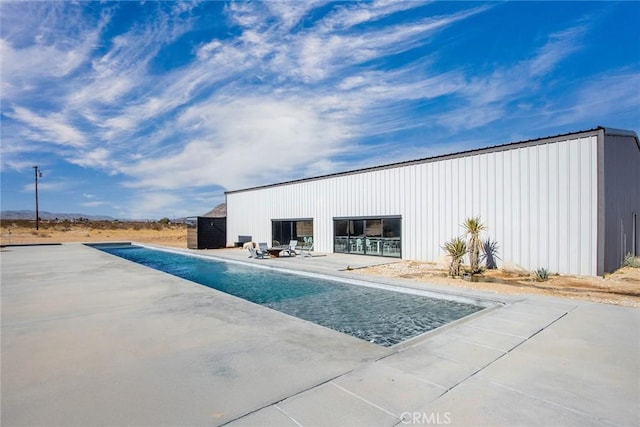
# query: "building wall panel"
x,y
621,199
550,216
539,202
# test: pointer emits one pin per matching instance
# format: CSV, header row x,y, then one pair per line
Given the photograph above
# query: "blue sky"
x,y
154,109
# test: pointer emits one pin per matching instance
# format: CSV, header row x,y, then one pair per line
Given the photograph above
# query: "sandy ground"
x,y
170,235
621,287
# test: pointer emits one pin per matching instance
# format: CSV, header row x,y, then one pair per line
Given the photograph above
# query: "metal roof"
x,y
494,148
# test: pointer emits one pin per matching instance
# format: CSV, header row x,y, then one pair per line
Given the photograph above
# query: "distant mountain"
x,y
51,215
219,211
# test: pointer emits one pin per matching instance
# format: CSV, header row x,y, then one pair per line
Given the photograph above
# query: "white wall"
x,y
538,201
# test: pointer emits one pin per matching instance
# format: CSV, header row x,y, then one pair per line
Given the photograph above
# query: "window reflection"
x,y
368,236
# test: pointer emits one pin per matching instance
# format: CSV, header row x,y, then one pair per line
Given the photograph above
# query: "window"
x,y
368,236
283,231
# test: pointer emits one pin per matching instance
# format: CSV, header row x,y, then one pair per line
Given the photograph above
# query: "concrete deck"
x,y
92,339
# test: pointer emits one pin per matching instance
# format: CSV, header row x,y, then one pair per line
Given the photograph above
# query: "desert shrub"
x,y
631,261
456,248
490,253
541,275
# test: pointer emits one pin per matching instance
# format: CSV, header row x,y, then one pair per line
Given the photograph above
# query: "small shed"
x,y
208,231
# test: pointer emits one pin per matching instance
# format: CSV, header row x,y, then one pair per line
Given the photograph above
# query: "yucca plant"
x,y
473,227
490,253
455,248
542,275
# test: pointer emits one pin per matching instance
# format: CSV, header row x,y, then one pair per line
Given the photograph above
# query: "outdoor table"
x,y
275,252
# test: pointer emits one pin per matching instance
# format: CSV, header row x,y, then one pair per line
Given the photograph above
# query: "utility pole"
x,y
37,174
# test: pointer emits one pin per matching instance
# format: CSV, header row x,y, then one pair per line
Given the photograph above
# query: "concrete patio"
x,y
92,339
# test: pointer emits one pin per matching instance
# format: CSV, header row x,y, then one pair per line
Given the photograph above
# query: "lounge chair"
x,y
291,250
258,253
252,252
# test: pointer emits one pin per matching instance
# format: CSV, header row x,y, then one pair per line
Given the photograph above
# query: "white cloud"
x,y
205,51
180,7
106,89
97,157
51,129
244,14
614,94
321,54
352,82
357,13
291,12
34,48
559,46
243,142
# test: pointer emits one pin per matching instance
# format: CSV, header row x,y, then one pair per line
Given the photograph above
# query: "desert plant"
x,y
473,227
490,253
631,261
455,248
541,274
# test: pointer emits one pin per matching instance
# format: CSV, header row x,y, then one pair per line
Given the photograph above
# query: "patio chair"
x,y
307,246
262,251
291,250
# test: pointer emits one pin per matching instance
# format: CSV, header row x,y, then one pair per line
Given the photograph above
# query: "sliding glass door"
x,y
283,231
368,236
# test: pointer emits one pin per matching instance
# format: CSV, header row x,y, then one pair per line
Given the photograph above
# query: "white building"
x,y
567,203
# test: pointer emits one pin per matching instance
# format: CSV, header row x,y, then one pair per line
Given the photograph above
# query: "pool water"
x,y
376,315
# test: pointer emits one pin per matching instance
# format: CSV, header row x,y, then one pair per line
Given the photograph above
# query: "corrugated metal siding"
x,y
621,199
538,202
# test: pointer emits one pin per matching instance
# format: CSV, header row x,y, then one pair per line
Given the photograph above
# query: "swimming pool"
x,y
376,315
